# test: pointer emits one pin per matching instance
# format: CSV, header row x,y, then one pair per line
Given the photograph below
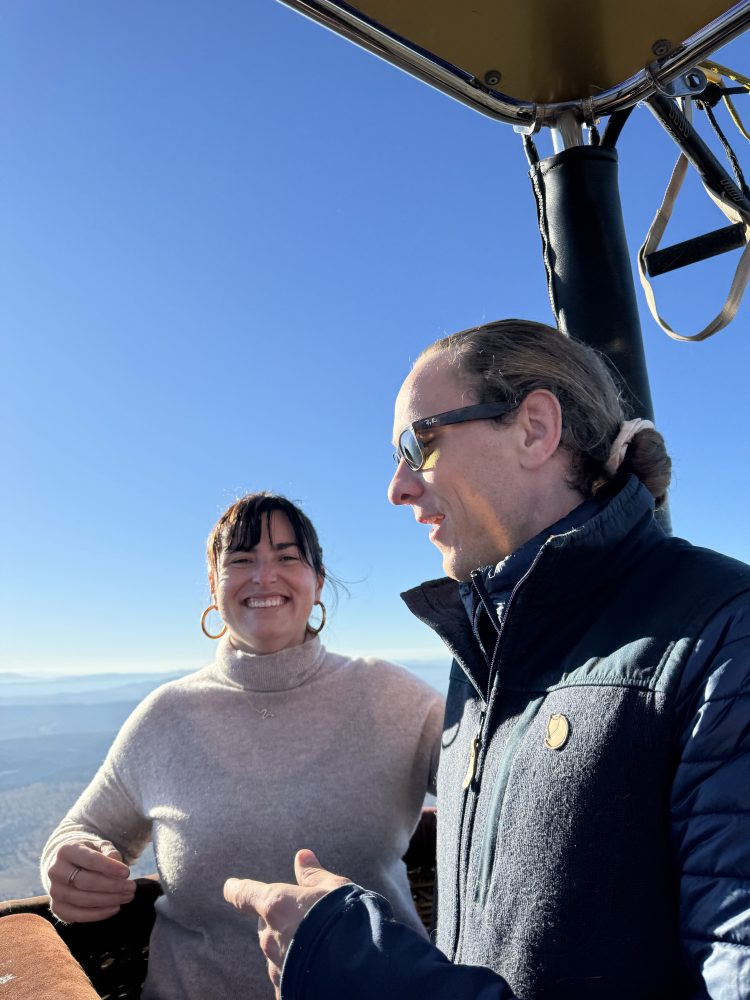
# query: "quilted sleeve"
x,y
349,946
710,807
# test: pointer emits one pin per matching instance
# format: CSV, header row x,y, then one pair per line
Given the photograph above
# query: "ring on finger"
x,y
73,875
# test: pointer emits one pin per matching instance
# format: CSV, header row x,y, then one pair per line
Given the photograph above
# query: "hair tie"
x,y
628,430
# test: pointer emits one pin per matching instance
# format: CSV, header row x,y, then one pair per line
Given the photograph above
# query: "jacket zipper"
x,y
472,768
466,802
476,758
476,742
465,823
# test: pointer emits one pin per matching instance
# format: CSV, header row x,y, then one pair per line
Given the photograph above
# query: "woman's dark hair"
x,y
508,359
241,525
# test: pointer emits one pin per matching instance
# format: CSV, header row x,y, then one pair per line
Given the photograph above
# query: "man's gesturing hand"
x,y
280,908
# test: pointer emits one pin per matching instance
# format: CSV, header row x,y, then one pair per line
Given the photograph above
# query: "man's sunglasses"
x,y
415,452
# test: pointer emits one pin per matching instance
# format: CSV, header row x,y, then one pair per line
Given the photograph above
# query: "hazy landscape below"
x,y
54,733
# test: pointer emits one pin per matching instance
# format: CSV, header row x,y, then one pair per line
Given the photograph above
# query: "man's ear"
x,y
540,421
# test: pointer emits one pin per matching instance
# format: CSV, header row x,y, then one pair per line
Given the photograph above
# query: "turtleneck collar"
x,y
281,671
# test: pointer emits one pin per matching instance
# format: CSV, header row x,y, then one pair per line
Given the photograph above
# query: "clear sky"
x,y
225,233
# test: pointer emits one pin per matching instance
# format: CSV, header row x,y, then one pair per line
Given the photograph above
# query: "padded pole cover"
x,y
586,255
35,963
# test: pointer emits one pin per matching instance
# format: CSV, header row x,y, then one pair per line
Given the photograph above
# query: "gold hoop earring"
x,y
206,613
319,629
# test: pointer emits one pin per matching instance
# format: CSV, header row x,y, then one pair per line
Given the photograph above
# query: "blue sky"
x,y
226,232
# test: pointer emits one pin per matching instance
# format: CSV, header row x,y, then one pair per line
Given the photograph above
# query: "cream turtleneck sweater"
x,y
234,768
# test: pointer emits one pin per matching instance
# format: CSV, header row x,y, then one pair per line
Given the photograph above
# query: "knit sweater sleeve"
x,y
711,807
421,709
432,733
110,809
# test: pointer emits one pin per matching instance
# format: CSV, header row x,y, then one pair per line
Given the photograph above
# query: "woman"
x,y
277,744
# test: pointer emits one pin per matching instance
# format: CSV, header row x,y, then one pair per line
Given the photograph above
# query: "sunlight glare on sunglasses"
x,y
416,453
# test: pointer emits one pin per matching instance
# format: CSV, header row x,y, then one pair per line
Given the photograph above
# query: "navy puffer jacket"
x,y
594,786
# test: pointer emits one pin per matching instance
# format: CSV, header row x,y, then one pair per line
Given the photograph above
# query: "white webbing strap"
x,y
653,239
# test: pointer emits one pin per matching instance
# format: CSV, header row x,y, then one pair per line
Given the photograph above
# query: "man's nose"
x,y
406,485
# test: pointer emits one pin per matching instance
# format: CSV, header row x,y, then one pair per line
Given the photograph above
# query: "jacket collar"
x,y
497,582
565,566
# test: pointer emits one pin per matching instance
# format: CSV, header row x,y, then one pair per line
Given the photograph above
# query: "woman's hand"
x,y
88,883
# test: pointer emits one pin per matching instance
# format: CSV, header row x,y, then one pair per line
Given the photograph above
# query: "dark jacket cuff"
x,y
349,947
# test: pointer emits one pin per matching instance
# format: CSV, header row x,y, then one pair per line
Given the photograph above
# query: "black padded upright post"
x,y
586,255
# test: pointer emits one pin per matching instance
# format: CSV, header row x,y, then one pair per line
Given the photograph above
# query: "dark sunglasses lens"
x,y
410,448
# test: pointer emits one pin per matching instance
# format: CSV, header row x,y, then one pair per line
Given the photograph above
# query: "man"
x,y
594,784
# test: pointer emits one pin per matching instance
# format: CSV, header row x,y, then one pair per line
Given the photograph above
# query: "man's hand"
x,y
280,908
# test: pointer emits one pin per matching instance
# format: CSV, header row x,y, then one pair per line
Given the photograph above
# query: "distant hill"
x,y
52,759
83,690
54,733
32,721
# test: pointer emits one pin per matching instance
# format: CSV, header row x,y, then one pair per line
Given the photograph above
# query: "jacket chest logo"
x,y
558,731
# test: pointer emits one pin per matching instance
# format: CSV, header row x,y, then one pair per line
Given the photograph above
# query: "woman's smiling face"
x,y
265,595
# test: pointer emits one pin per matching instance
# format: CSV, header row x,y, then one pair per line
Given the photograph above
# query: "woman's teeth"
x,y
264,602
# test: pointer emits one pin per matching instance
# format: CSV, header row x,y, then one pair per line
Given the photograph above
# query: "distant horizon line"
x,y
424,660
